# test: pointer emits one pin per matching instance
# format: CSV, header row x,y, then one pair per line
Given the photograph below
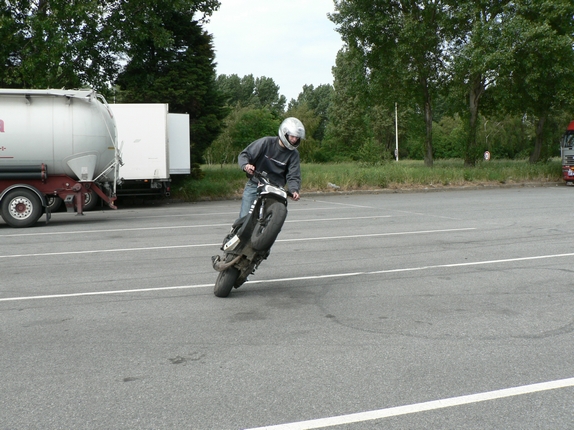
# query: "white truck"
x,y
154,145
54,144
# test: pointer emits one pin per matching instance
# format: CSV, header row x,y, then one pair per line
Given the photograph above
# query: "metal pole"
x,y
396,132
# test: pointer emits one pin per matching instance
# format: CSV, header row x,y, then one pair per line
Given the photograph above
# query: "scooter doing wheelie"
x,y
251,237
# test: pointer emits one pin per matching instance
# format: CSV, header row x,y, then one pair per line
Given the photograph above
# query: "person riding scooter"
x,y
278,156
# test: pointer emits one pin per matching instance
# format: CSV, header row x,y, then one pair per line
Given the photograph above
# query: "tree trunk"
x,y
476,90
428,121
535,156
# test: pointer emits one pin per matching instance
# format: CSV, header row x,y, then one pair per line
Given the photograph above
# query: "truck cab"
x,y
567,154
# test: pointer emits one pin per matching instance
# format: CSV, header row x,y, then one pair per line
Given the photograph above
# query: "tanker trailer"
x,y
54,144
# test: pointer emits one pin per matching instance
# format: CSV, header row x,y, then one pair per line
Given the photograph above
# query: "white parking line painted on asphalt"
x,y
103,293
298,278
414,269
176,227
102,251
115,230
130,213
345,204
338,219
427,215
171,227
211,214
356,236
422,407
150,248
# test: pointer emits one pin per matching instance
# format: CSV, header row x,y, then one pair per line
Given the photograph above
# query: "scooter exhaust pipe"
x,y
220,266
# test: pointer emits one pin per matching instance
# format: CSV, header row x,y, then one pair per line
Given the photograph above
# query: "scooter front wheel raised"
x,y
225,281
268,228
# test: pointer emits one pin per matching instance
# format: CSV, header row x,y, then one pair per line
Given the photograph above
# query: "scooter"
x,y
251,237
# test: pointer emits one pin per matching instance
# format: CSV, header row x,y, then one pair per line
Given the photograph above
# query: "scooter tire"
x,y
225,281
267,230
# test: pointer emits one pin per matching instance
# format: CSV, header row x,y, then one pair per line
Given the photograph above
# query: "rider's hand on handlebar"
x,y
249,169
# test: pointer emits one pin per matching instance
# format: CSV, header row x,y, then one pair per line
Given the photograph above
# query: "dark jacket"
x,y
281,164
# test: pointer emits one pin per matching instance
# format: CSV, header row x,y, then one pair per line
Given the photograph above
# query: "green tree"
x,y
260,92
318,100
309,146
238,90
538,78
56,43
347,128
241,127
267,92
404,40
171,60
448,136
159,45
475,28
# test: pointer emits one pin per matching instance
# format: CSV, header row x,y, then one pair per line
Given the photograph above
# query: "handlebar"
x,y
262,176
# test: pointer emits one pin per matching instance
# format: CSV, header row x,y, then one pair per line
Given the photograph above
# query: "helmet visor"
x,y
293,140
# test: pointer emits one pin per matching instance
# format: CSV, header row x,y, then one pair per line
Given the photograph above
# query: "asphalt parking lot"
x,y
450,309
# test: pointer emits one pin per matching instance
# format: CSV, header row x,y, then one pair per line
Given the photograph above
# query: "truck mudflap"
x,y
108,199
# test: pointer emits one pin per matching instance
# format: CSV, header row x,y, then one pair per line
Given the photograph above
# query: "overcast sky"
x,y
291,41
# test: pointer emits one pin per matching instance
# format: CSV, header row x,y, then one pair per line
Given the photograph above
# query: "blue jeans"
x,y
249,196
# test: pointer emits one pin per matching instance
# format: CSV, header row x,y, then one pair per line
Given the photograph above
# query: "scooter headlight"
x,y
270,189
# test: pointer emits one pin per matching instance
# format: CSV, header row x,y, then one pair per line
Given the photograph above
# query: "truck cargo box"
x,y
154,145
179,145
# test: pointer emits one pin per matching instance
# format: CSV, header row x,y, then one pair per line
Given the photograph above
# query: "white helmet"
x,y
291,127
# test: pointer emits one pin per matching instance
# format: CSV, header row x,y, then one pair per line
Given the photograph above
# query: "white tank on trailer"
x,y
73,132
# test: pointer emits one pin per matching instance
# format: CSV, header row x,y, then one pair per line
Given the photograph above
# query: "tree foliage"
x,y
538,78
467,75
474,61
261,92
347,129
171,60
133,50
309,146
318,100
56,43
440,58
241,127
404,40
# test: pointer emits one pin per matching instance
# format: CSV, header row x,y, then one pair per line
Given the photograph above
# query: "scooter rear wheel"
x,y
268,228
225,281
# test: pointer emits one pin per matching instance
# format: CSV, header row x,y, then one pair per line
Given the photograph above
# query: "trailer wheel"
x,y
91,200
54,203
21,208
